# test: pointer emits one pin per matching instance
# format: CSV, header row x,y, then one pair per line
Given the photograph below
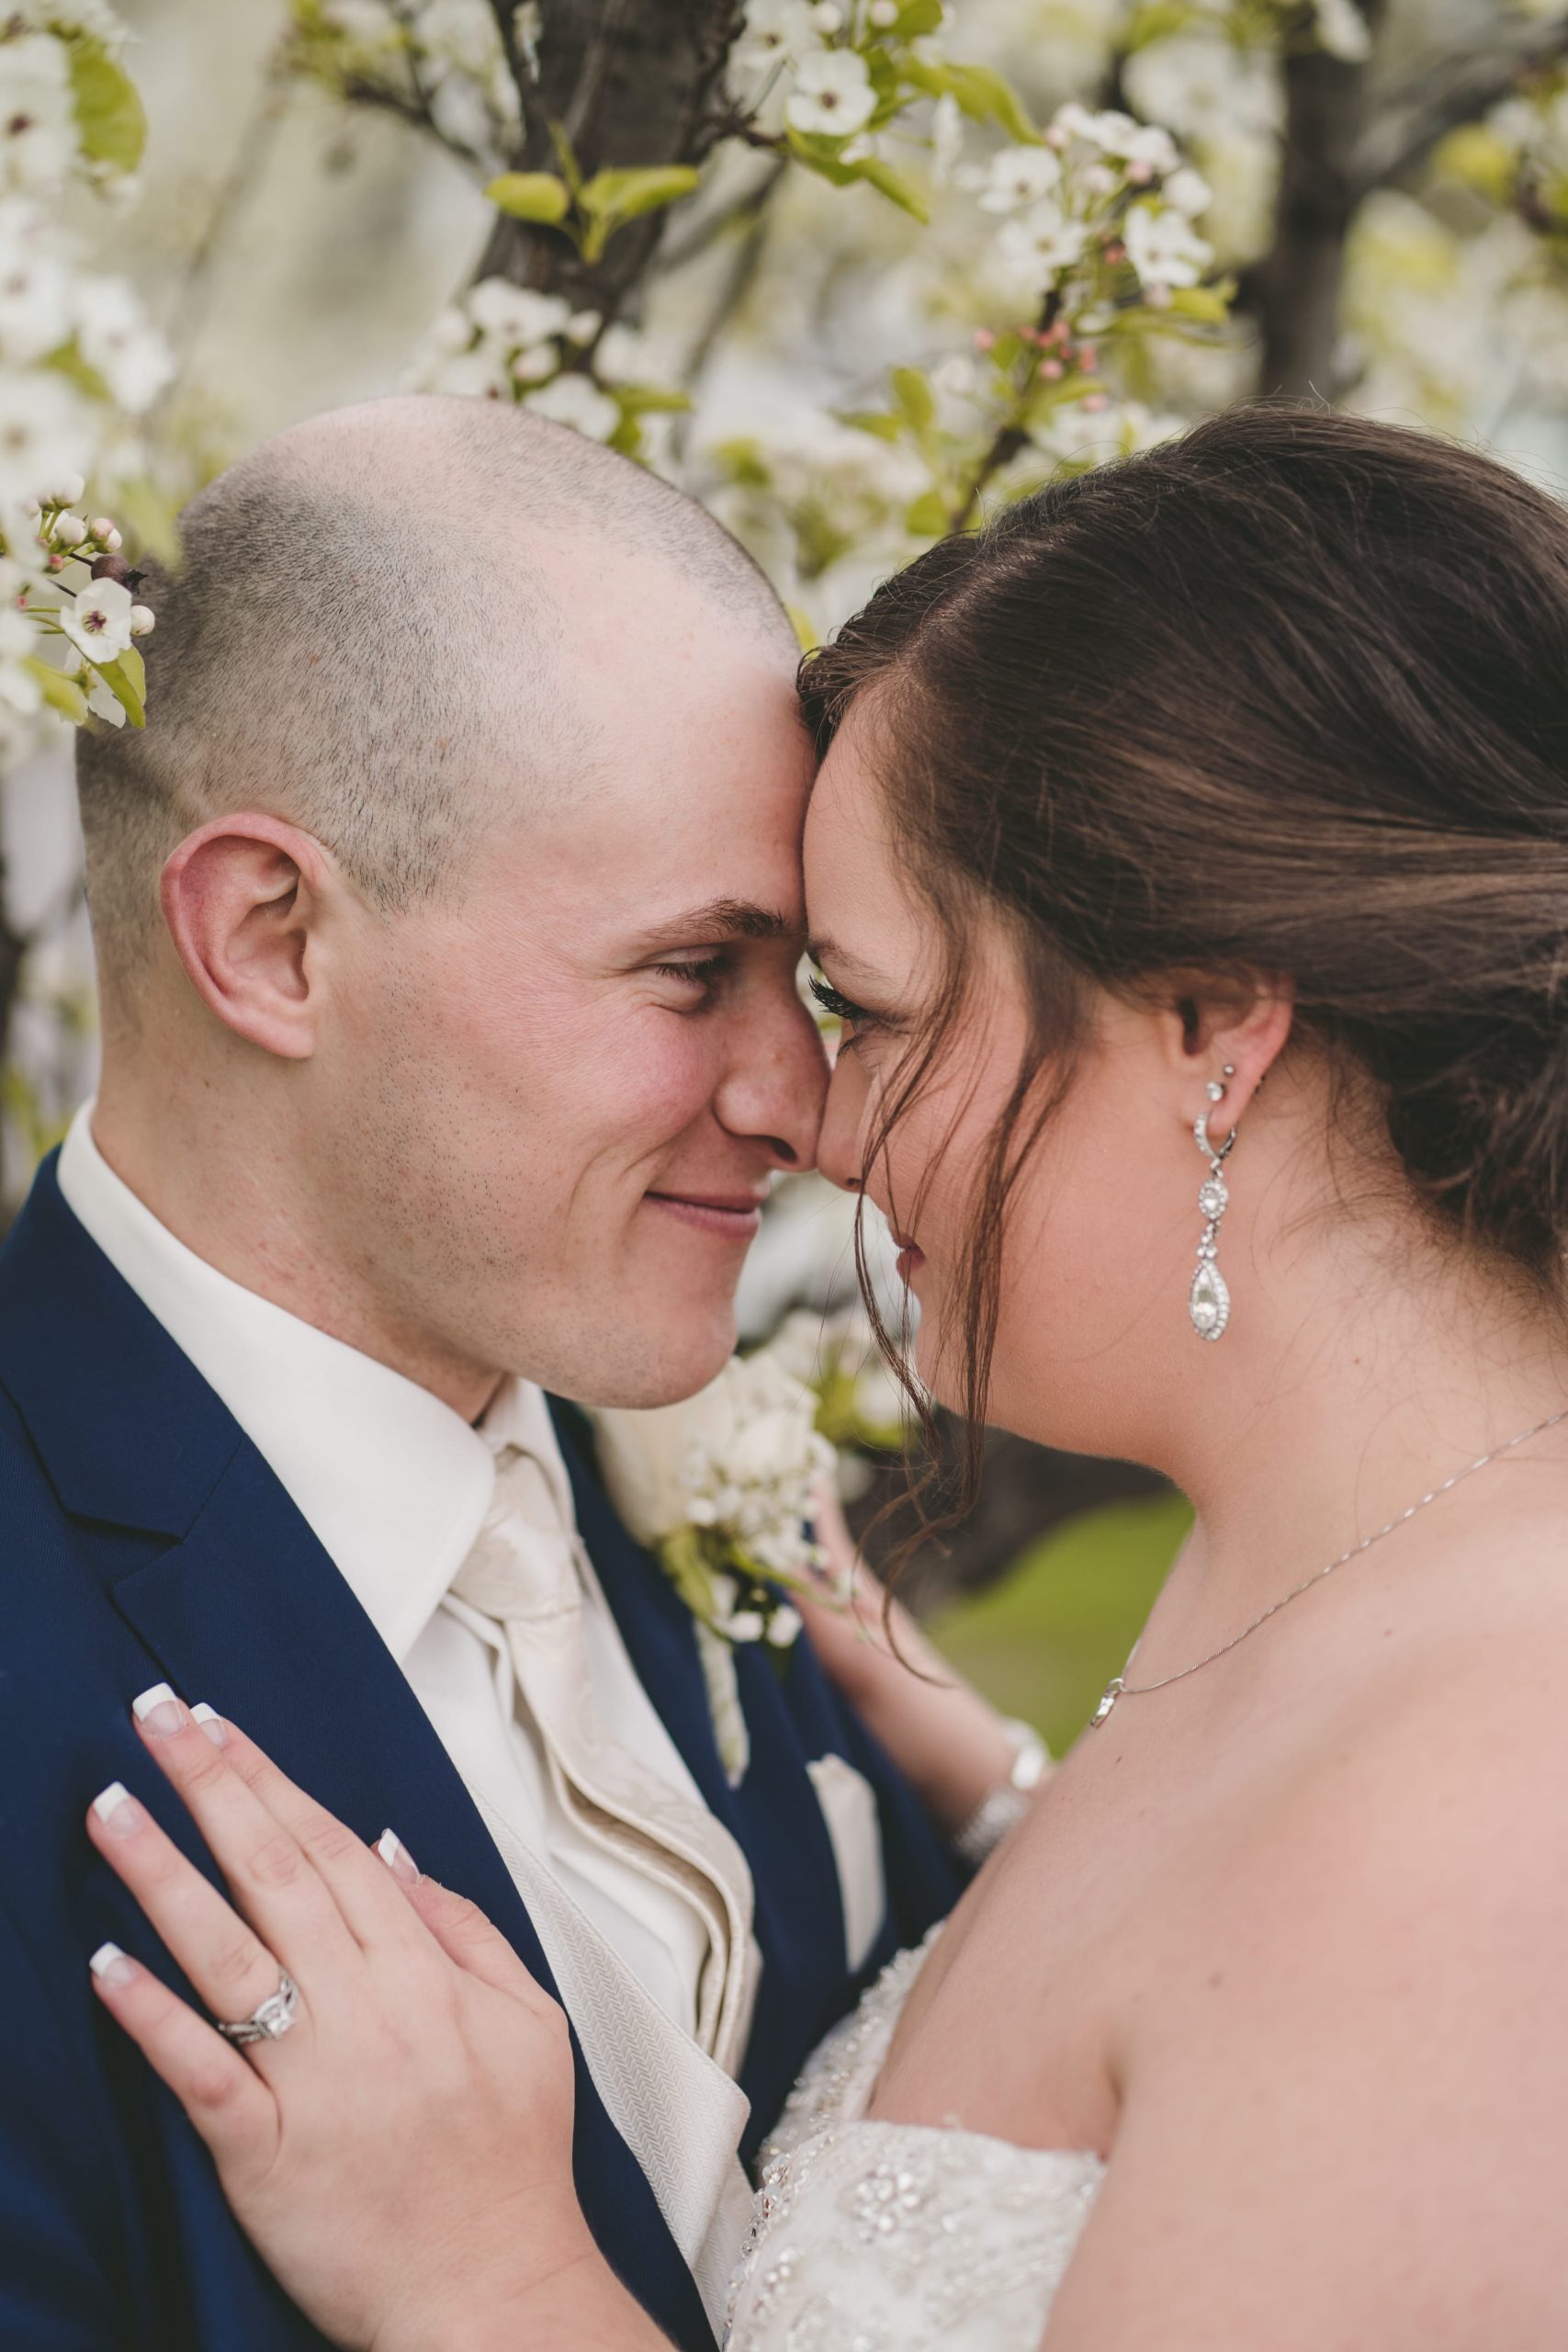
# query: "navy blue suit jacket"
x,y
143,1538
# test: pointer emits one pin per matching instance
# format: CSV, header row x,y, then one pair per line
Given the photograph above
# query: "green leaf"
x,y
530,195
821,155
61,693
109,115
611,199
126,681
566,156
871,420
625,196
893,184
651,399
986,97
917,18
1210,303
916,401
926,516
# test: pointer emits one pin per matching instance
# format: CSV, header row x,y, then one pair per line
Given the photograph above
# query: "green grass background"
x,y
1044,1640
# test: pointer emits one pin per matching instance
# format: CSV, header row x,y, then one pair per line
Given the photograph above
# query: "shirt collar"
x,y
393,1482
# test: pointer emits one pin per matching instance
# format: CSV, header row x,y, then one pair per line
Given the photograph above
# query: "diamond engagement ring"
x,y
272,2019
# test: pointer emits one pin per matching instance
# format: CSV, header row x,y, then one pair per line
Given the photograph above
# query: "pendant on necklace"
x,y
1113,1690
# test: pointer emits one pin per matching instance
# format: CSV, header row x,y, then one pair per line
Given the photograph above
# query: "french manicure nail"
x,y
395,1856
118,1810
111,1967
158,1711
211,1723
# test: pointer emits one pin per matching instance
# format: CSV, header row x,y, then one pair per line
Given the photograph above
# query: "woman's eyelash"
x,y
840,1006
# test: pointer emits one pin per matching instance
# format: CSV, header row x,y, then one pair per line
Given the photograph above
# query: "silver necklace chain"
x,y
1118,1688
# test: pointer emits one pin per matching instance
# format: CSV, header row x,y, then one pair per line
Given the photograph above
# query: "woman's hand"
x,y
402,2156
948,1741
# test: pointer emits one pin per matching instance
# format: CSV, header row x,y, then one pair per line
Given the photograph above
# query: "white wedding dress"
x,y
900,2237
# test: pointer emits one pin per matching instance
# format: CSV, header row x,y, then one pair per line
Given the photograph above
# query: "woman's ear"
x,y
243,899
1229,1037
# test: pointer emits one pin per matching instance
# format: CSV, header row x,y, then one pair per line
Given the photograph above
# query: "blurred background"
x,y
854,273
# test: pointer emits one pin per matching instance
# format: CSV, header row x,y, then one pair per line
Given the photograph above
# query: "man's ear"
x,y
242,898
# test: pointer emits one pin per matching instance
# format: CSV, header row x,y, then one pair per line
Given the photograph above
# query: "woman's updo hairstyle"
x,y
1286,696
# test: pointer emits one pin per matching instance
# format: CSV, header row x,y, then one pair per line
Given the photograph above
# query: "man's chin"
x,y
661,1361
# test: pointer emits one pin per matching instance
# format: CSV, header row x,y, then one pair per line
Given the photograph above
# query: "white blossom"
x,y
115,338
1020,176
576,400
44,422
1204,86
1042,243
1189,191
775,31
98,619
38,141
947,138
1342,31
35,294
103,703
516,314
832,96
1163,246
472,375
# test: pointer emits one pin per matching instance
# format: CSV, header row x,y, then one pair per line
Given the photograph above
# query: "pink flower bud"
x,y
1051,369
101,527
1095,402
1140,173
984,339
1088,355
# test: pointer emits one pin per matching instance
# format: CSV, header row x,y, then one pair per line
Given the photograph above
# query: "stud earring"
x,y
1208,1300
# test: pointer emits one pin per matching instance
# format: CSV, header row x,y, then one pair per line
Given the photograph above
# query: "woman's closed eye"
x,y
832,1001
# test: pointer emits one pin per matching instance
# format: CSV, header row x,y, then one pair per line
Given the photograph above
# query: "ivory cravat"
x,y
526,1572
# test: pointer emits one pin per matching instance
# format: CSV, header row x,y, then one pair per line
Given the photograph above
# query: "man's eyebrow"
x,y
722,919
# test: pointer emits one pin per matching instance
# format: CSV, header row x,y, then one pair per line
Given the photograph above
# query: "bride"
x,y
1189,866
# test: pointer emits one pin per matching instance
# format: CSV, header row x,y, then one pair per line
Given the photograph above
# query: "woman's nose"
x,y
840,1144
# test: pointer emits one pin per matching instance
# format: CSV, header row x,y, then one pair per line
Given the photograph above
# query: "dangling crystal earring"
x,y
1209,1300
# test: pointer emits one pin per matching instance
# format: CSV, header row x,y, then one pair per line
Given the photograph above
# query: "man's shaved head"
x,y
368,637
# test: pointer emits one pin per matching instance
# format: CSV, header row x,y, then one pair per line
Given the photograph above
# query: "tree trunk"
x,y
1299,285
631,82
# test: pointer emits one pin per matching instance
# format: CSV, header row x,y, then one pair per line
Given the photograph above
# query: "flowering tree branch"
x,y
1415,121
627,87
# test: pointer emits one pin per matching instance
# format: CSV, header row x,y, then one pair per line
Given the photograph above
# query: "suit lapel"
x,y
245,1610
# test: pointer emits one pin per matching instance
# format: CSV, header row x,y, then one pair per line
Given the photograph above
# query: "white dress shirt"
x,y
396,1485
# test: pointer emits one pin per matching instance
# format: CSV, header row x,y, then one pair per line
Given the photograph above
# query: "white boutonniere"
x,y
720,1488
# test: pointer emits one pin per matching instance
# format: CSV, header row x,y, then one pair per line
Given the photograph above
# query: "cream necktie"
x,y
525,1572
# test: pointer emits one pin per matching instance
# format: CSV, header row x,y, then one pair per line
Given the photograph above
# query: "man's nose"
x,y
773,1090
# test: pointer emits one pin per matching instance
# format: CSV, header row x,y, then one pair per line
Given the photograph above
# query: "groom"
x,y
446,915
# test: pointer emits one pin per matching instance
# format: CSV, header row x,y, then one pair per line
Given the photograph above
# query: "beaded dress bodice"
x,y
897,2237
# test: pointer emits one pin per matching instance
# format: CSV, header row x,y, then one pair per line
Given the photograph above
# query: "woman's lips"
x,y
732,1216
911,1257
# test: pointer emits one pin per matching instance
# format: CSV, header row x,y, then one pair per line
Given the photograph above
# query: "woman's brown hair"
x,y
1287,697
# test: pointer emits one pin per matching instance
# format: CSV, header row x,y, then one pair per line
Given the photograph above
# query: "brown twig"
x,y
1459,90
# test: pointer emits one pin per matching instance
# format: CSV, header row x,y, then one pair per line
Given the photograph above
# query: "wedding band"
x,y
271,2020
